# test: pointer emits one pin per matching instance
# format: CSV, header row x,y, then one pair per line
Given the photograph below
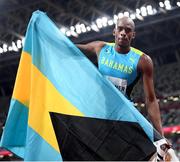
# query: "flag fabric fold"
x,y
54,77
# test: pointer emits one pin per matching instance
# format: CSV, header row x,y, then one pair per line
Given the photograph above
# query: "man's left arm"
x,y
146,67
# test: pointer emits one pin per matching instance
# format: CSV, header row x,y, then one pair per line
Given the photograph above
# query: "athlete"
x,y
123,65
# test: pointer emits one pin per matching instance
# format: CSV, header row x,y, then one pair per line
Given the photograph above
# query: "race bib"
x,y
119,83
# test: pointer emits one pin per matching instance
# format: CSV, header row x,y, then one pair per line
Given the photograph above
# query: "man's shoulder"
x,y
97,46
145,63
146,58
99,43
110,43
137,51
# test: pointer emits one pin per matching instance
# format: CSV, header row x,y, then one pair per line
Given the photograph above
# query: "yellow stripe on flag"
x,y
22,85
44,99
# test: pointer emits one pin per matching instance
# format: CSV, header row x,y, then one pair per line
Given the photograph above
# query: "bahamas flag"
x,y
62,108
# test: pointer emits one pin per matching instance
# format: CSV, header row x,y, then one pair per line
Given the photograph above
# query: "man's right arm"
x,y
91,48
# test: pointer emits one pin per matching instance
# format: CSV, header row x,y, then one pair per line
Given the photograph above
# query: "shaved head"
x,y
127,20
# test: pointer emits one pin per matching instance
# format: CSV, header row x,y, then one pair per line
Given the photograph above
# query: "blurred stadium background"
x,y
158,34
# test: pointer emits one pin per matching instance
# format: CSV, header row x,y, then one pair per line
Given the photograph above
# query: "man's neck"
x,y
122,50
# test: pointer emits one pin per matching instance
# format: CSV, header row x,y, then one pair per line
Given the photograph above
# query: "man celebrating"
x,y
124,65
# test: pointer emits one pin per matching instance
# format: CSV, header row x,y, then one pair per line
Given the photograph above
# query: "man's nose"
x,y
123,32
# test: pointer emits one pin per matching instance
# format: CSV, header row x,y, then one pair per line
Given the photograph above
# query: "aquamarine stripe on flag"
x,y
38,149
13,135
76,78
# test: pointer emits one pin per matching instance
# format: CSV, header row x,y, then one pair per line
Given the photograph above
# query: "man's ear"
x,y
114,32
134,35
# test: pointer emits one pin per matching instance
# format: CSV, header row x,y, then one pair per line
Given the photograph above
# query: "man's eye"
x,y
120,28
128,30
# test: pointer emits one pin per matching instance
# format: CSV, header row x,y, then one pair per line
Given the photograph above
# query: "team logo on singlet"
x,y
107,51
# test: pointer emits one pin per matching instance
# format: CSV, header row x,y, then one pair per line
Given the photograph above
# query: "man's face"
x,y
124,32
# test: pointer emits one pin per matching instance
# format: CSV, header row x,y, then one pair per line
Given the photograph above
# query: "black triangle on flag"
x,y
92,139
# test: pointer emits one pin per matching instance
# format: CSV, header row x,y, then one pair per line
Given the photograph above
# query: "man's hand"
x,y
162,149
165,152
